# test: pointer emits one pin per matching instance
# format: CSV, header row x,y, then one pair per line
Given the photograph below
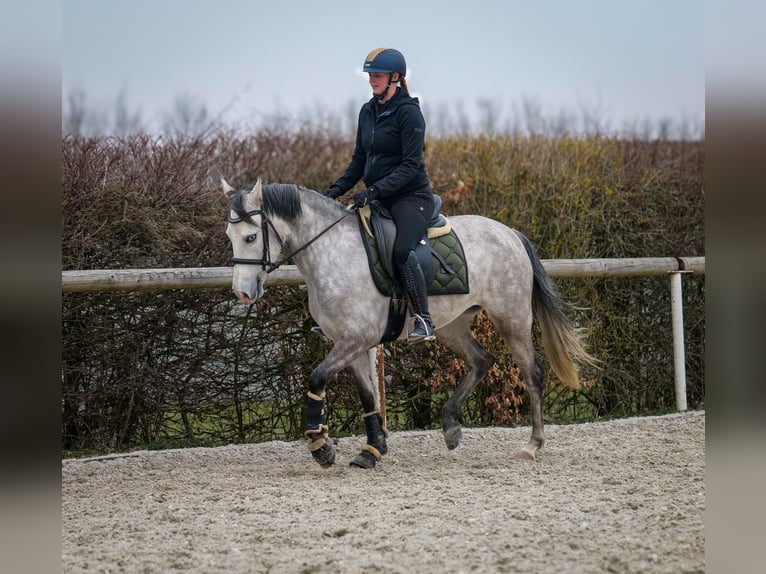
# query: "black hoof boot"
x,y
322,447
364,459
325,454
376,445
376,435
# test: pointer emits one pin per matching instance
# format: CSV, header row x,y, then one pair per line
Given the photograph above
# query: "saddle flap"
x,y
384,231
442,251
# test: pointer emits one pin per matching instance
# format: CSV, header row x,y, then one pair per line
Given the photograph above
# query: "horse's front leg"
x,y
321,446
366,370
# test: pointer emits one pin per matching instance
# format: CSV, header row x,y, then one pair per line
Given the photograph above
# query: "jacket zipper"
x,y
372,137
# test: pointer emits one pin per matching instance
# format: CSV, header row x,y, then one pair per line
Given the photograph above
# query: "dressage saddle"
x,y
439,253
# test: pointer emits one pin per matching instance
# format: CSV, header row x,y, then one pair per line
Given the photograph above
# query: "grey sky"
x,y
629,61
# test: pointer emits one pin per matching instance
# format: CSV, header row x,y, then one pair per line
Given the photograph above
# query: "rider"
x,y
388,156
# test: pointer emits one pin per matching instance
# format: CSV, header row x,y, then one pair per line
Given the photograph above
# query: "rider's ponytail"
x,y
403,84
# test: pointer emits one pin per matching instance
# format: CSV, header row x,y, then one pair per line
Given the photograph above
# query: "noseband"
x,y
265,261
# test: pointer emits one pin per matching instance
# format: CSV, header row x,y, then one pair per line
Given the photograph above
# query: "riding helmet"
x,y
385,60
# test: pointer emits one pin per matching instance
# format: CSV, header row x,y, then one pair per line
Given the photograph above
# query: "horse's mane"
x,y
282,200
278,199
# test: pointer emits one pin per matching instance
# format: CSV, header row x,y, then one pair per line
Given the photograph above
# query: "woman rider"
x,y
388,156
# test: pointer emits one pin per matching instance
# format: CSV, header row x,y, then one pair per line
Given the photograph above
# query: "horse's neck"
x,y
335,256
313,223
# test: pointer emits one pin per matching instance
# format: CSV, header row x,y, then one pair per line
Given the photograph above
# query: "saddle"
x,y
439,253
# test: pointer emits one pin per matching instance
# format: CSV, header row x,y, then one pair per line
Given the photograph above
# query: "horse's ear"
x,y
253,198
227,189
257,191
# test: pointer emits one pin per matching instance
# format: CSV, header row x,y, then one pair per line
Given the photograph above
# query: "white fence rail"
x,y
220,277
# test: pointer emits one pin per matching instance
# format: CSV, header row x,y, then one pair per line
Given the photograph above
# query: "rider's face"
x,y
379,81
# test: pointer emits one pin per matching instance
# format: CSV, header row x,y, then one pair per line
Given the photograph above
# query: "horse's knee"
x,y
318,380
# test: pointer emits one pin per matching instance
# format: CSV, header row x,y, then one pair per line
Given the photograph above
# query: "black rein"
x,y
265,261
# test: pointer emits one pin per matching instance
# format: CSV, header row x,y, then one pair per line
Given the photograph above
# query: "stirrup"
x,y
318,330
421,332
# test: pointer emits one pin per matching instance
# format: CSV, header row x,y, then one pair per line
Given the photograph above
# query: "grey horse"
x,y
269,224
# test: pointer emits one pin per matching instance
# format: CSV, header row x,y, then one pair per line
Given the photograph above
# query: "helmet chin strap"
x,y
385,92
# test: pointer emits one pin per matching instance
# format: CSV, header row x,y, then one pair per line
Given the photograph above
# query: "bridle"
x,y
265,261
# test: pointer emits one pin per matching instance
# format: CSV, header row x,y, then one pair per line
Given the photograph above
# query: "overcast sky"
x,y
626,61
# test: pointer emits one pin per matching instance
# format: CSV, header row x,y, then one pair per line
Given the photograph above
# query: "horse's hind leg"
x,y
458,337
365,369
533,376
518,336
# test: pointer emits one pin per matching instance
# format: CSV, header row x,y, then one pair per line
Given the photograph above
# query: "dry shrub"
x,y
597,197
195,367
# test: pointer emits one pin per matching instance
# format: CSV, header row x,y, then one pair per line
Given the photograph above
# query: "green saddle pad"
x,y
451,269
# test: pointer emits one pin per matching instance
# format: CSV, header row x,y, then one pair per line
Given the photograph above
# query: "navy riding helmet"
x,y
385,60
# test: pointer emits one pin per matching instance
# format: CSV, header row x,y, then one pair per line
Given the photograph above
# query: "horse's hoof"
x,y
363,460
452,437
325,454
524,455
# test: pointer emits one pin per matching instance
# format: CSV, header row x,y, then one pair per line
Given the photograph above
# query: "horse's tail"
x,y
562,342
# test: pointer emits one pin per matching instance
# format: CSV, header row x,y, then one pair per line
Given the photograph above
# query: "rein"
x,y
265,260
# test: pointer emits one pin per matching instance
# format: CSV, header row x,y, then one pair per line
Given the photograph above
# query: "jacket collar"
x,y
398,99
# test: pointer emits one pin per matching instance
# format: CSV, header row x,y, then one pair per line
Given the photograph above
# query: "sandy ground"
x,y
620,496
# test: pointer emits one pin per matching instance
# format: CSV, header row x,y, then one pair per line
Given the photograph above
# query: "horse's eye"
x,y
251,238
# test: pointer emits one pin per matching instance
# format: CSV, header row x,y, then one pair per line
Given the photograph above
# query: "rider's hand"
x,y
362,198
333,192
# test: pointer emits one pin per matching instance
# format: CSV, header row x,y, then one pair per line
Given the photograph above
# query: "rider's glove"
x,y
363,197
333,192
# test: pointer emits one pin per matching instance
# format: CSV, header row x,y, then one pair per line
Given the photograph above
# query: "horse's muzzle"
x,y
245,300
248,295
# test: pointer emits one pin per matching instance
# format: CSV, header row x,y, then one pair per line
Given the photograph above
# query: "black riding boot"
x,y
415,285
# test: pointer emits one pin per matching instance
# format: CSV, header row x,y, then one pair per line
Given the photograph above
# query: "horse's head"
x,y
249,240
